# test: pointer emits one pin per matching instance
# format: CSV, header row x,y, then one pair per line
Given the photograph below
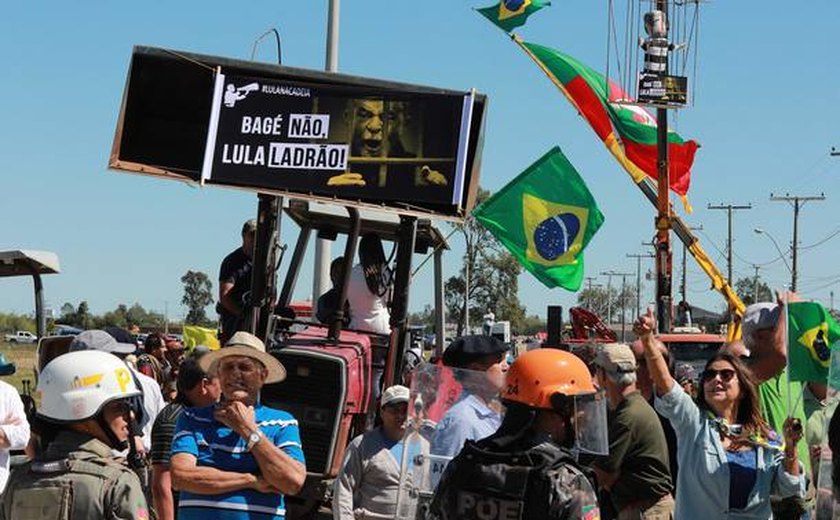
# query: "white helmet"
x,y
75,386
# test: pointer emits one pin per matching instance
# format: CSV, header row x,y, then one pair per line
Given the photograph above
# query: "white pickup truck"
x,y
21,336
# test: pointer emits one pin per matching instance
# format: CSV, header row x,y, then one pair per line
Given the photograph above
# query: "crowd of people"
x,y
104,444
727,444
622,433
619,435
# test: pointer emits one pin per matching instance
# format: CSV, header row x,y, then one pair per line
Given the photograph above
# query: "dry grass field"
x,y
24,357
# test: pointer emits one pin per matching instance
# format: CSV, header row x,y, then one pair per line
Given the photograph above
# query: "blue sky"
x,y
765,113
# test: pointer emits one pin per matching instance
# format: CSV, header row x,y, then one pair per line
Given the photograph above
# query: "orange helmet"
x,y
537,375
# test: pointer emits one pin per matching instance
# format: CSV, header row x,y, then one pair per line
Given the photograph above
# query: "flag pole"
x,y
649,190
787,351
612,143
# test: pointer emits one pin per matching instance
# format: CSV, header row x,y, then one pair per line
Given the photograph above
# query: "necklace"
x,y
772,442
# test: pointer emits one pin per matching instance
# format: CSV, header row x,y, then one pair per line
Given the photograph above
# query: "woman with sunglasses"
x,y
730,460
85,415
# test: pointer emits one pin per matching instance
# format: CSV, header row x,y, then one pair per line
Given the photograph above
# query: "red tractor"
x,y
177,123
335,375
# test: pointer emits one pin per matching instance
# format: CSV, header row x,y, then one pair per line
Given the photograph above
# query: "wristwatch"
x,y
255,437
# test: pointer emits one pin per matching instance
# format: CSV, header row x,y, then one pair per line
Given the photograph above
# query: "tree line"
x,y
198,294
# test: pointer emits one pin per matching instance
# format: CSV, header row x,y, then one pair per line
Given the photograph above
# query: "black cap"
x,y
466,349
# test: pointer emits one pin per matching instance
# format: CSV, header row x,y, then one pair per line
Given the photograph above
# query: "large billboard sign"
x,y
305,134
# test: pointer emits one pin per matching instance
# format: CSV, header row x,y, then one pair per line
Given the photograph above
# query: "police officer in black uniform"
x,y
527,469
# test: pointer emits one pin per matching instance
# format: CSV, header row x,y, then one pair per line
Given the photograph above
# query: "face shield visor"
x,y
590,420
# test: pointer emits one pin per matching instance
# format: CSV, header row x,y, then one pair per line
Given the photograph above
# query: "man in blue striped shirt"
x,y
236,459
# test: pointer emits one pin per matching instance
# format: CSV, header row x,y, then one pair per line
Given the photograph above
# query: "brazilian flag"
x,y
812,335
510,14
545,217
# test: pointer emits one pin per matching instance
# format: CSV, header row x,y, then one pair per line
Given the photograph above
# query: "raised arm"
x,y
644,327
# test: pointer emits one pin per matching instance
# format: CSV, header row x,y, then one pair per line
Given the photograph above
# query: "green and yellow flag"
x,y
195,335
510,14
812,334
545,217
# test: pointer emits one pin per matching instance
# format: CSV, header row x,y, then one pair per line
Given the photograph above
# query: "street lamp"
x,y
760,231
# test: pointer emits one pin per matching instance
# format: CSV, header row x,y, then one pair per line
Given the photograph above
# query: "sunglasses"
x,y
726,374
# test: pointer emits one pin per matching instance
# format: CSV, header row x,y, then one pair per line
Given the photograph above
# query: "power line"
x,y
762,264
834,282
714,244
822,241
816,169
819,279
797,203
729,209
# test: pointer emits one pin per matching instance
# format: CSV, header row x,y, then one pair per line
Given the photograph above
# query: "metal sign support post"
x,y
323,247
664,311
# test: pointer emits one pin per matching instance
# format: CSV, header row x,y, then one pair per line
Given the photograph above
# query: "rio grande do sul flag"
x,y
628,131
812,335
507,15
545,217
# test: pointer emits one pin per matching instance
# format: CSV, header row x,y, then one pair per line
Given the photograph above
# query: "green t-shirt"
x,y
815,413
638,453
774,407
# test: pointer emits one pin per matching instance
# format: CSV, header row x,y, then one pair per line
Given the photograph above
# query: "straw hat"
x,y
247,345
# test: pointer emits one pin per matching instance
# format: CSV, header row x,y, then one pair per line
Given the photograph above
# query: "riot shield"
x,y
828,478
438,395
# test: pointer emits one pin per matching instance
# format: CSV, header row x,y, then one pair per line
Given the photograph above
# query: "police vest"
x,y
65,489
542,483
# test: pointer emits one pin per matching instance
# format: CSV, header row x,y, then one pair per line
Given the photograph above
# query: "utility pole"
x,y
322,245
638,258
797,203
589,280
755,283
609,275
623,305
609,300
729,209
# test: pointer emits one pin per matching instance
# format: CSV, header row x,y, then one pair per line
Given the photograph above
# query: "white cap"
x,y
758,316
394,394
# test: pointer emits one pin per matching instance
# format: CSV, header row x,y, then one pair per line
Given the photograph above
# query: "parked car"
x,y
65,330
21,336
